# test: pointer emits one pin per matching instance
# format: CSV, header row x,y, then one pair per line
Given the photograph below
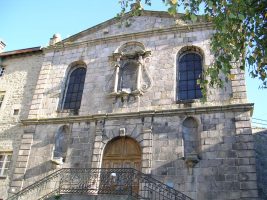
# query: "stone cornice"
x,y
110,116
127,36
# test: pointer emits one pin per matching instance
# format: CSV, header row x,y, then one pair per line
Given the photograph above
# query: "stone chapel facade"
x,y
119,97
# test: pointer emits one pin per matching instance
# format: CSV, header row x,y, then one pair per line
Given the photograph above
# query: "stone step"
x,y
91,197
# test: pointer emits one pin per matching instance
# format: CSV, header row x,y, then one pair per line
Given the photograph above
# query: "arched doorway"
x,y
122,152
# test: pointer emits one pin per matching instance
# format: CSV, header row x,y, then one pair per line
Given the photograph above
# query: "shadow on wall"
x,y
223,165
58,146
38,170
222,171
260,138
31,83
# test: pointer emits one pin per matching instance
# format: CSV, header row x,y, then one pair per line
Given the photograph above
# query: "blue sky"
x,y
30,23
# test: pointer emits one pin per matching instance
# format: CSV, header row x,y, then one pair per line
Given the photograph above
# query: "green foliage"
x,y
240,38
57,196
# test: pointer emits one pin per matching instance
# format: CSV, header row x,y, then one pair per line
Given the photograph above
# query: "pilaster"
x,y
23,158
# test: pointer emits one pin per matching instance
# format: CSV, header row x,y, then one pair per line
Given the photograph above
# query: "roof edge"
x,y
21,51
116,19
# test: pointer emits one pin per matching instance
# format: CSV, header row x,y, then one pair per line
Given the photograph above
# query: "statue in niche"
x,y
61,145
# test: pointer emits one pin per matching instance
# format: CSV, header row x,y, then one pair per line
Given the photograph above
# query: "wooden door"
x,y
122,152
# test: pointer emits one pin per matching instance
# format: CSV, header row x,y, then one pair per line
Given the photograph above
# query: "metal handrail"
x,y
36,184
157,186
95,181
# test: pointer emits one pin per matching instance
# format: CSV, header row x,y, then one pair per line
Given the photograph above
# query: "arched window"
x,y
128,76
190,69
74,89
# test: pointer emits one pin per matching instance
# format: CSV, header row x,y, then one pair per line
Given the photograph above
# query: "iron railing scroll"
x,y
96,181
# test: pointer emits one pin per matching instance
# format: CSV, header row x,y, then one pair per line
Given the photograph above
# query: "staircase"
x,y
98,183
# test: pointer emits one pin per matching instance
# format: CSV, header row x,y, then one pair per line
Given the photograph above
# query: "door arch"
x,y
122,152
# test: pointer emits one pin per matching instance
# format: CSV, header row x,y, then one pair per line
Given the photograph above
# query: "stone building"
x,y
260,140
19,72
118,97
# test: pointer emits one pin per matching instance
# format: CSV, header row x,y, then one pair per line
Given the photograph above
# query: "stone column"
x,y
117,71
147,146
139,73
98,146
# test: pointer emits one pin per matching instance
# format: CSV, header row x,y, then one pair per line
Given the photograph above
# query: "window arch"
x,y
189,70
74,88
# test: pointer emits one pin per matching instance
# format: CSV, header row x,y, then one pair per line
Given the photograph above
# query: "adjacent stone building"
x,y
260,140
117,97
19,71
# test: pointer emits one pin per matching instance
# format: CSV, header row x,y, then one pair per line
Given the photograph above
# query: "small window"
x,y
74,90
5,159
2,95
190,70
2,70
16,112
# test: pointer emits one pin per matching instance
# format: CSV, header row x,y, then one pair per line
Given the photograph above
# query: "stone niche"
x,y
61,145
191,141
131,75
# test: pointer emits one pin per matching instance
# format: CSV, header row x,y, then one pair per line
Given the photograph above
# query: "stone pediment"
x,y
150,20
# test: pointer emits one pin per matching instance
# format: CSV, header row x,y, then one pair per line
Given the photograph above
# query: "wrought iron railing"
x,y
94,181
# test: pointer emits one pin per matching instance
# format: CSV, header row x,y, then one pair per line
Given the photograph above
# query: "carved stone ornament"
x,y
57,160
131,56
122,132
191,160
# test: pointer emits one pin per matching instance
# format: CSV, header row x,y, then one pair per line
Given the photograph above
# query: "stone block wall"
x,y
154,20
260,139
18,82
99,82
221,165
79,152
223,169
226,165
239,94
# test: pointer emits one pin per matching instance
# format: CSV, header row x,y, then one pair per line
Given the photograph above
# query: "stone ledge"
x,y
188,111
